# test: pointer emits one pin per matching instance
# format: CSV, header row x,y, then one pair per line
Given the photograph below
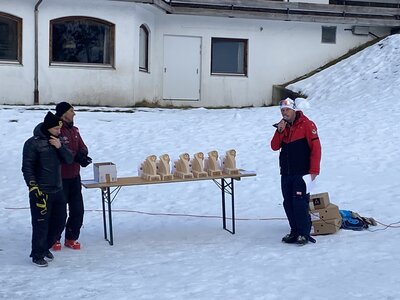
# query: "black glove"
x,y
83,159
39,197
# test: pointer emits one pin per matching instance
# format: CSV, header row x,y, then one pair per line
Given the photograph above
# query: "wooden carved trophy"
x,y
163,168
182,166
213,167
229,163
198,165
149,168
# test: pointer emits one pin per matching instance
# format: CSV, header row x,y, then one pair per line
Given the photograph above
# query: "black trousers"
x,y
46,224
72,189
296,204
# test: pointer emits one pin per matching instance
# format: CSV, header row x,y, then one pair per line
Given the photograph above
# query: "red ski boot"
x,y
56,246
73,244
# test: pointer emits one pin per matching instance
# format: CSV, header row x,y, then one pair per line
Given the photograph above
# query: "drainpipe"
x,y
36,79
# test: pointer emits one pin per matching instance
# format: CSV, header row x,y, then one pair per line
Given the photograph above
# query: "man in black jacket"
x,y
43,154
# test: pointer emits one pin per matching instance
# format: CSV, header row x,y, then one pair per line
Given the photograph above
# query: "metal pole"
x,y
36,75
109,216
233,207
223,203
103,199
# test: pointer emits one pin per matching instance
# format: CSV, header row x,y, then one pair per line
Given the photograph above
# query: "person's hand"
x,y
281,125
55,142
39,197
83,159
313,176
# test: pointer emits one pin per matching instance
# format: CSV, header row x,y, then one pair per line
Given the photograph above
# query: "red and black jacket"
x,y
72,140
300,147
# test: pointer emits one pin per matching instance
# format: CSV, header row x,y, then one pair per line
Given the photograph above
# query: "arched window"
x,y
10,38
143,48
82,40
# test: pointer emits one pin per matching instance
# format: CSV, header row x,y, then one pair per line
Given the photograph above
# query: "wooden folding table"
x,y
225,185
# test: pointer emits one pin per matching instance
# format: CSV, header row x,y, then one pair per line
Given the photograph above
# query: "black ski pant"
x,y
72,189
46,223
296,204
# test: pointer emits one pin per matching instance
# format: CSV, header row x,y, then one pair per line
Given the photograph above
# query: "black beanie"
x,y
50,121
61,108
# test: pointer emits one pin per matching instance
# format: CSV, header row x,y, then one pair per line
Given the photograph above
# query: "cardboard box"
x,y
327,213
319,201
325,226
105,172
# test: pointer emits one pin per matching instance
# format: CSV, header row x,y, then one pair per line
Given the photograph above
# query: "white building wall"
x,y
278,52
146,82
88,85
16,81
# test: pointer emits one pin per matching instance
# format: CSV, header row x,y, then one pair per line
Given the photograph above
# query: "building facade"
x,y
120,53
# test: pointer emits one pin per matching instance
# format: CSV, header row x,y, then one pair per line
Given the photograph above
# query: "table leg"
x,y
233,206
223,203
104,200
111,241
228,188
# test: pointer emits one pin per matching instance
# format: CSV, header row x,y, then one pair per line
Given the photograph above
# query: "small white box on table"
x,y
105,172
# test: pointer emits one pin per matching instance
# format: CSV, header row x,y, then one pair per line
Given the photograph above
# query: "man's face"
x,y
288,114
68,116
55,130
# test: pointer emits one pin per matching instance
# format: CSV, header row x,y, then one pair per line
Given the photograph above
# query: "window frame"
x,y
111,49
325,30
147,46
245,57
18,21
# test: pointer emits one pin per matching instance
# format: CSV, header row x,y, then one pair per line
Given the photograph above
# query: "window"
x,y
228,56
82,40
143,48
10,38
328,35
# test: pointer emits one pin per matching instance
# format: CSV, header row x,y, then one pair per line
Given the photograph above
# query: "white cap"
x,y
287,103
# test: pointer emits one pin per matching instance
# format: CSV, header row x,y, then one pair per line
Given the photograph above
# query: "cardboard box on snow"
x,y
325,226
327,213
319,201
105,172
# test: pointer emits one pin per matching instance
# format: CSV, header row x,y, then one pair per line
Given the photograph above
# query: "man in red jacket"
x,y
300,154
71,176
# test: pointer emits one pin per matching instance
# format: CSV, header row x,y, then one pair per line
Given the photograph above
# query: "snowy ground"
x,y
355,105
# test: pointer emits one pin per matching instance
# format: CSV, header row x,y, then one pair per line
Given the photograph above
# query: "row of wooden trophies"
x,y
153,169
